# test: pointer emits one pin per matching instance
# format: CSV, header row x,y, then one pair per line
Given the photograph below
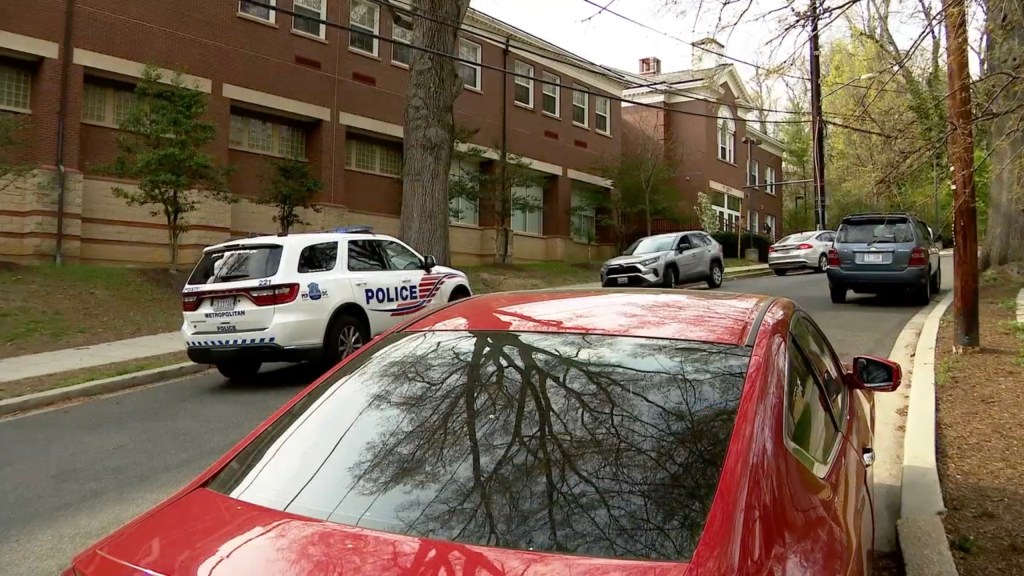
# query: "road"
x,y
69,476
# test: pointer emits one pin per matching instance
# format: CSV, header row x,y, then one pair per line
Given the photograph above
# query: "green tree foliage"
x,y
496,188
643,185
12,167
162,148
289,187
706,213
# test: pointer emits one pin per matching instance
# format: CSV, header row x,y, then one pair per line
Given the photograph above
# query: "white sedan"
x,y
801,251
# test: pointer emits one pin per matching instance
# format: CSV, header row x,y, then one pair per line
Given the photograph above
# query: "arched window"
x,y
726,135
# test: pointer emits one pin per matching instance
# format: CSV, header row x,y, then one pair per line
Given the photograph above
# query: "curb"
x,y
97,387
747,274
921,533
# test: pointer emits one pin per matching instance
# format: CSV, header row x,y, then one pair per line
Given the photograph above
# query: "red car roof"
x,y
713,317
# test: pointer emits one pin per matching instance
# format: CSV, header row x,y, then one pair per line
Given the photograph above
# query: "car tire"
x,y
239,369
936,280
822,264
345,335
716,275
671,277
780,271
923,294
458,294
837,293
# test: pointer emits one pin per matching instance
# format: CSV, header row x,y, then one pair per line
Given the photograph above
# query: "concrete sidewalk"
x,y
47,363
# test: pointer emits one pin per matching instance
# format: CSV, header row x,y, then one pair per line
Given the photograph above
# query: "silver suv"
x,y
875,253
667,260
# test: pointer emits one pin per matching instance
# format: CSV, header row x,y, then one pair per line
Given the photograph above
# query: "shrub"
x,y
728,242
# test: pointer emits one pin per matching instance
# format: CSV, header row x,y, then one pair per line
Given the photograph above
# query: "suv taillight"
x,y
274,295
190,302
918,257
833,257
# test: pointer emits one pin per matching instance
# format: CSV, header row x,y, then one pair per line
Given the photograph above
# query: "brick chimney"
x,y
650,66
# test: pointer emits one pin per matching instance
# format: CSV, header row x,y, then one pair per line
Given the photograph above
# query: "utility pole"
x,y
961,155
817,122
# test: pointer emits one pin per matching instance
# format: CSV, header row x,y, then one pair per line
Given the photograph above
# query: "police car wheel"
x,y
239,370
347,335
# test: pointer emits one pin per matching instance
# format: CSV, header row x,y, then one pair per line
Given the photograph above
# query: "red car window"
x,y
602,446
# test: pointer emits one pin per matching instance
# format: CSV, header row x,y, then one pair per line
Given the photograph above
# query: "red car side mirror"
x,y
875,374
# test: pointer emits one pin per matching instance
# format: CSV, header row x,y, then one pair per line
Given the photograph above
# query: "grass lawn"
x,y
45,308
65,379
501,277
981,442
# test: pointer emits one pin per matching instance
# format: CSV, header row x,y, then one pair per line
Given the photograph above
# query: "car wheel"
x,y
717,274
822,263
458,294
345,336
671,277
239,369
780,271
936,281
923,293
838,293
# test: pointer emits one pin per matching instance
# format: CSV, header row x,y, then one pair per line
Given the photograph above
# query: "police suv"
x,y
305,296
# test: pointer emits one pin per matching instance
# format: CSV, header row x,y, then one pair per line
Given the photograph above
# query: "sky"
x,y
604,38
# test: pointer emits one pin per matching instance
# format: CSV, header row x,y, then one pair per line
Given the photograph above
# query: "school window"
x,y
726,135
364,19
401,53
769,226
374,156
728,209
752,172
461,209
106,105
580,105
470,73
308,16
15,86
584,217
528,215
267,137
769,180
550,90
524,84
752,217
257,11
602,110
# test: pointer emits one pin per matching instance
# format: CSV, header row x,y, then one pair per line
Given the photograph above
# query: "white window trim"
x,y
273,13
607,115
769,180
576,88
524,82
556,86
753,222
753,172
394,44
360,28
28,89
323,16
377,172
479,71
726,118
275,128
769,220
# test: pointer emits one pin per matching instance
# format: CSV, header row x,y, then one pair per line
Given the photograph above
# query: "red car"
x,y
579,432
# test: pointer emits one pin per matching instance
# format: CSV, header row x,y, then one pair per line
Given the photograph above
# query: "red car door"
x,y
826,493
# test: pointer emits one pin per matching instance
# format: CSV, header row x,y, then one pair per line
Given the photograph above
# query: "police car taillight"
x,y
190,302
274,295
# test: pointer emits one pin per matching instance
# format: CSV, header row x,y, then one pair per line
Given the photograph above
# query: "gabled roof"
x,y
686,82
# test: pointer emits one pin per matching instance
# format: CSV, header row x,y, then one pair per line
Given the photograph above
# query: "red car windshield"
x,y
602,446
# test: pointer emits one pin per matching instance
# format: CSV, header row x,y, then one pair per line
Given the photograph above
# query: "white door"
x,y
321,289
384,293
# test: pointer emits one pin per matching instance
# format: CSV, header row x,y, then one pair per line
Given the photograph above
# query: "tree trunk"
x,y
172,243
1004,236
430,127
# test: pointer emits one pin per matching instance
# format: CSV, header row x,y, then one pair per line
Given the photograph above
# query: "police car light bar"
x,y
353,230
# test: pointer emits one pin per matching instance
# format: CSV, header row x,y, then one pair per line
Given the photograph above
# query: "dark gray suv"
x,y
876,253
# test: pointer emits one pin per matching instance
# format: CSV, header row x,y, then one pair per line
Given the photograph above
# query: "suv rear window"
x,y
237,263
605,446
876,230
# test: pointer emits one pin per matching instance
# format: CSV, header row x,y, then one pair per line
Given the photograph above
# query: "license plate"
x,y
874,258
623,280
226,304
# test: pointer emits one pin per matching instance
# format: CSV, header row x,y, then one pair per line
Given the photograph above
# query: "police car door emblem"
x,y
314,291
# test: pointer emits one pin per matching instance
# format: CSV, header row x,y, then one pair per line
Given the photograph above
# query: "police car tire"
x,y
239,370
332,352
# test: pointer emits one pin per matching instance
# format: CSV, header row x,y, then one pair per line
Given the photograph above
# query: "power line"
x,y
505,71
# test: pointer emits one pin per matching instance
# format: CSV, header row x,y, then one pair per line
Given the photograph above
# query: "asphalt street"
x,y
69,476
